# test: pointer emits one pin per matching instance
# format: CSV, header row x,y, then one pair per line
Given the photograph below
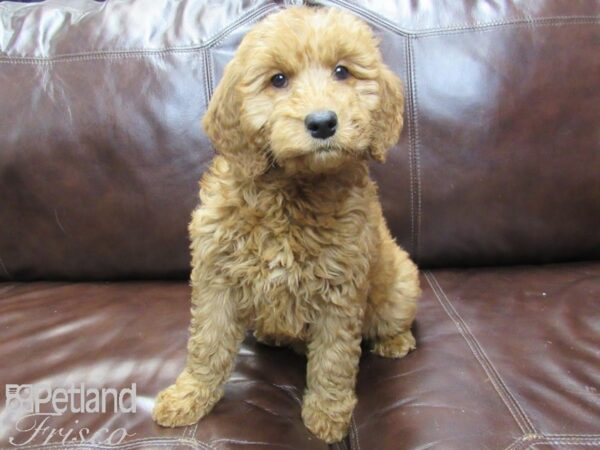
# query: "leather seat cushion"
x,y
505,357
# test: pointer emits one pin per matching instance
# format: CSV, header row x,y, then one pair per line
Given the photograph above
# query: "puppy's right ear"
x,y
223,126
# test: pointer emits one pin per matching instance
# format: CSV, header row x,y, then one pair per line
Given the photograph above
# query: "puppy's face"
x,y
307,90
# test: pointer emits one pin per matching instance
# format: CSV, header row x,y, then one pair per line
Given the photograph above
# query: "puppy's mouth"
x,y
326,149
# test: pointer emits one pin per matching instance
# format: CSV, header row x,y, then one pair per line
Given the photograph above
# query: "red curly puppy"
x,y
290,240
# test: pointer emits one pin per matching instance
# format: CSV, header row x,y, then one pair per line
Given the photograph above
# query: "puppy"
x,y
290,240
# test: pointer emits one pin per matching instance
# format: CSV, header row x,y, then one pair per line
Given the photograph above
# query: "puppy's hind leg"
x,y
216,333
392,302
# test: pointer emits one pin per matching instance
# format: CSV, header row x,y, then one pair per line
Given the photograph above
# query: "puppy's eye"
x,y
279,80
341,72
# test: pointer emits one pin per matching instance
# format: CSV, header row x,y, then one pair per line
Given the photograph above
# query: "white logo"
x,y
37,404
19,396
38,398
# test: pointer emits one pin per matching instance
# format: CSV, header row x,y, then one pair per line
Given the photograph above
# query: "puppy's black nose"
x,y
321,124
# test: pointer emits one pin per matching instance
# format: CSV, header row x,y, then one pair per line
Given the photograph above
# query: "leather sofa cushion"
x,y
506,358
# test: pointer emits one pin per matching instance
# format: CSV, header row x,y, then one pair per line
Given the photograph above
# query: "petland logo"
x,y
35,405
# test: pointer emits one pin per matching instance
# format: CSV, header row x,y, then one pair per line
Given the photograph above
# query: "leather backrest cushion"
x,y
101,149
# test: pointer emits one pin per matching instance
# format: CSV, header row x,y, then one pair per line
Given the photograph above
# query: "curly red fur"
x,y
290,239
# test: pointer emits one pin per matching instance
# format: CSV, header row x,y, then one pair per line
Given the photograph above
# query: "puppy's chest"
x,y
294,256
297,248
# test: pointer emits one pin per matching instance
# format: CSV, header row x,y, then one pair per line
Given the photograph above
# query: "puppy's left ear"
x,y
387,118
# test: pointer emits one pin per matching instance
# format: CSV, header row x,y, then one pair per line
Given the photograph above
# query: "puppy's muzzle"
x,y
321,124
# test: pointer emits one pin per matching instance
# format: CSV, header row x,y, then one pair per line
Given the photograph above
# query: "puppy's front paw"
x,y
395,347
328,419
183,403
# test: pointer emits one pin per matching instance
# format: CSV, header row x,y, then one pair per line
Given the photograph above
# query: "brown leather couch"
x,y
494,189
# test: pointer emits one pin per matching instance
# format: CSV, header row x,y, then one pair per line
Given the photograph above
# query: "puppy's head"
x,y
307,90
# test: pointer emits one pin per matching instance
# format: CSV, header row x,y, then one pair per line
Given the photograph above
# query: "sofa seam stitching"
x,y
249,19
373,17
485,357
524,23
211,73
497,383
355,433
205,56
95,57
410,131
416,151
572,435
556,439
186,432
518,443
514,445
